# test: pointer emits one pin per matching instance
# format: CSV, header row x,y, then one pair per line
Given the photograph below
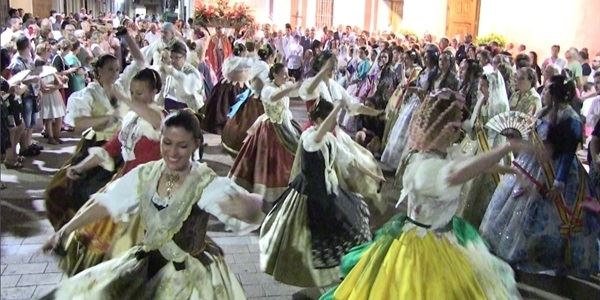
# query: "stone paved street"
x,y
27,273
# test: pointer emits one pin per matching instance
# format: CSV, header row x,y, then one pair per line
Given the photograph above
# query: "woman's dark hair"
x,y
275,69
470,84
561,89
5,58
150,77
190,122
414,56
320,60
364,49
239,49
179,48
531,76
265,52
534,58
321,110
522,60
433,55
102,61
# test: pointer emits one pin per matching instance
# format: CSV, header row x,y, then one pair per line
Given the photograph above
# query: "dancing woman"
x,y
248,106
174,197
429,253
315,220
183,84
398,136
136,143
265,160
540,224
95,111
354,160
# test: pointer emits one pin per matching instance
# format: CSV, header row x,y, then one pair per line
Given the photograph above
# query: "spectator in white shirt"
x,y
151,35
14,30
293,54
554,59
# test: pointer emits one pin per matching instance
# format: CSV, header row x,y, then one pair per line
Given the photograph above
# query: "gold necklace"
x,y
172,179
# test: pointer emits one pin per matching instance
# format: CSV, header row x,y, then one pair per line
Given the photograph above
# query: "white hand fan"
x,y
512,124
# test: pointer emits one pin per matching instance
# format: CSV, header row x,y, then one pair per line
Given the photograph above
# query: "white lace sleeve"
x,y
120,196
79,105
220,191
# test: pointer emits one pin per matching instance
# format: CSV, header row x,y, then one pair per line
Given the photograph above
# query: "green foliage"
x,y
169,16
491,37
407,32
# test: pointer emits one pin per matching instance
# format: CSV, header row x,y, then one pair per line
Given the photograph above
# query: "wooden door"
x,y
41,8
462,17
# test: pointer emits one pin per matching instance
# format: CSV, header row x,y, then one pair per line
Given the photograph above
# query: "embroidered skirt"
x,y
406,261
265,160
236,128
64,197
140,275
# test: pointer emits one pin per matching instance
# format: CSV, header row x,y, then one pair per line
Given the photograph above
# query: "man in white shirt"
x,y
117,19
554,59
152,35
293,54
14,30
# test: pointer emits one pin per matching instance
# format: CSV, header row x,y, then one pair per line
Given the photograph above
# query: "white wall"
x,y
348,12
423,16
540,23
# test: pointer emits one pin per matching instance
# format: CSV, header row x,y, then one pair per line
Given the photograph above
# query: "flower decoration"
x,y
223,14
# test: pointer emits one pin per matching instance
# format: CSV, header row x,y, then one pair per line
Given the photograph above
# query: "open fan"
x,y
512,124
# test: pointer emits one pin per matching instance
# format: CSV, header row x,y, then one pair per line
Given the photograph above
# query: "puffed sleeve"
x,y
268,91
428,176
124,80
120,197
192,87
79,105
216,195
303,92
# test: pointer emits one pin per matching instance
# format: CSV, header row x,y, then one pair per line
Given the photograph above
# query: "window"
x,y
324,13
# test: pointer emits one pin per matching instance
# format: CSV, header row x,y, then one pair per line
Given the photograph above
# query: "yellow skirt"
x,y
414,267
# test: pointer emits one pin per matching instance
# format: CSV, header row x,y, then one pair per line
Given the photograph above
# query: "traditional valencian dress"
x,y
182,89
175,260
63,195
265,161
137,142
478,192
223,96
533,232
398,136
247,108
350,151
314,222
427,253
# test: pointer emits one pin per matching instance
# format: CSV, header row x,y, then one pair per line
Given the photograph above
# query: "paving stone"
x,y
246,258
11,240
226,241
255,278
39,240
254,290
37,279
234,249
279,290
42,257
53,268
243,268
17,292
42,290
33,268
2,267
9,280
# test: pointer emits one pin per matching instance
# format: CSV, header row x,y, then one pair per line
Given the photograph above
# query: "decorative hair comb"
x,y
512,124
